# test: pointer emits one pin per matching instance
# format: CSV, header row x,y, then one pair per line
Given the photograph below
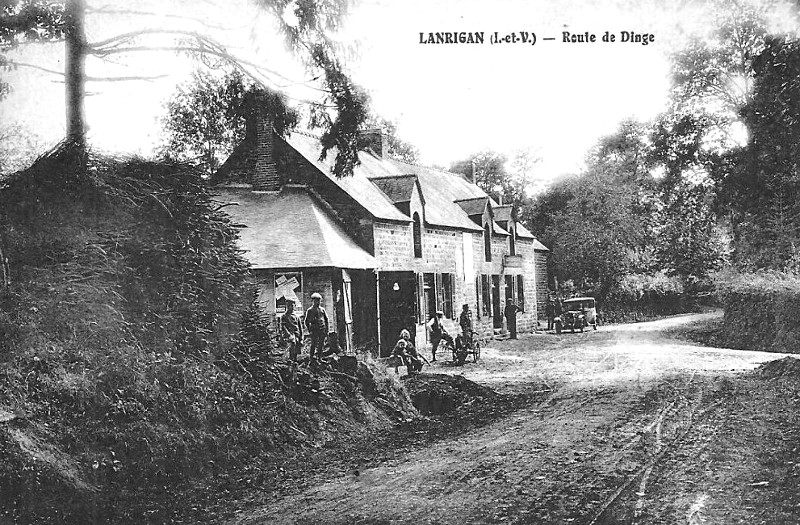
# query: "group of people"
x,y
412,359
316,325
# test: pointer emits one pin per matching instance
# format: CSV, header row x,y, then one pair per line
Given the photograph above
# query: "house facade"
x,y
386,247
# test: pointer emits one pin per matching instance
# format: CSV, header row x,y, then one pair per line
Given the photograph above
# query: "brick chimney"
x,y
375,139
259,130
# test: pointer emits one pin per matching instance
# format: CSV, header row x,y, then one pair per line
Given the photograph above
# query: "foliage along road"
x,y
637,427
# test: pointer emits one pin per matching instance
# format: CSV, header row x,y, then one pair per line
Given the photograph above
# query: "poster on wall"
x,y
288,286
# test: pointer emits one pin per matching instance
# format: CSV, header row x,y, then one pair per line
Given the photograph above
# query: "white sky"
x,y
448,100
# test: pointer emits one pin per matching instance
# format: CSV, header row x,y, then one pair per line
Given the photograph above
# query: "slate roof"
x,y
398,188
358,185
474,206
502,213
291,229
539,246
523,233
440,189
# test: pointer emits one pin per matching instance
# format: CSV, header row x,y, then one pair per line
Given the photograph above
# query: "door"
x,y
496,310
346,334
396,308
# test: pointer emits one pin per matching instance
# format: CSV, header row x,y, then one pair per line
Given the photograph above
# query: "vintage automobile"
x,y
578,313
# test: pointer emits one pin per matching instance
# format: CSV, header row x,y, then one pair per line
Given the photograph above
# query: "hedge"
x,y
760,311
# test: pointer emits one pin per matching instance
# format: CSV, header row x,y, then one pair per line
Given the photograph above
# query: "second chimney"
x,y
375,139
259,128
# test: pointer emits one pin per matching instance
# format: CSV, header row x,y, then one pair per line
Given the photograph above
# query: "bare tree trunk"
x,y
75,71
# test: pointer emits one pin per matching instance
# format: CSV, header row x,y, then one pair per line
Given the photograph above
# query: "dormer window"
x,y
417,236
487,243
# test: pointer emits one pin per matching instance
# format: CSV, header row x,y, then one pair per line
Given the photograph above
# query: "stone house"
x,y
386,247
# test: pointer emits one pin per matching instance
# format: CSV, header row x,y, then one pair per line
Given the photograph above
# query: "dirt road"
x,y
631,426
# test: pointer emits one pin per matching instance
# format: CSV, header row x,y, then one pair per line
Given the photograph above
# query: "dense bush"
x,y
759,310
126,343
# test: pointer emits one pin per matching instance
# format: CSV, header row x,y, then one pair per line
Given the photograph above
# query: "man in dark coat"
x,y
316,322
550,312
465,321
291,330
510,312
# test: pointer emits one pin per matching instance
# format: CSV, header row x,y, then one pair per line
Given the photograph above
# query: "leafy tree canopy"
x,y
305,26
206,118
504,181
760,183
398,147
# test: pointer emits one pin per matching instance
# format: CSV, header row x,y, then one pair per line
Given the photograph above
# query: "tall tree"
x,y
689,244
206,118
398,147
760,184
304,25
491,172
712,80
599,224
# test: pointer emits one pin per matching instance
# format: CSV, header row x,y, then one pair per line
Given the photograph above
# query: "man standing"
x,y
558,307
316,322
511,317
465,321
438,333
550,312
291,330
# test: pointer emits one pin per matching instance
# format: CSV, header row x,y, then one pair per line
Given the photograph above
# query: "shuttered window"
x,y
447,295
486,292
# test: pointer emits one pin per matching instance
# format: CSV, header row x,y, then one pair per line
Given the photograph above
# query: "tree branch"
x,y
221,53
205,44
34,66
106,10
149,78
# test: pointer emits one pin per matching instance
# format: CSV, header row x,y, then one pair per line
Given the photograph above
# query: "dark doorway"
x,y
509,280
397,309
365,315
498,318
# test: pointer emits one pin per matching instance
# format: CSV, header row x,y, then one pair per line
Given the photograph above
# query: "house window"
x,y
486,293
417,236
512,241
521,293
288,286
429,290
447,295
487,243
